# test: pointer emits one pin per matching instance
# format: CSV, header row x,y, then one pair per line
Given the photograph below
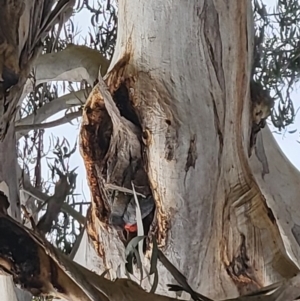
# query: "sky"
x,y
288,142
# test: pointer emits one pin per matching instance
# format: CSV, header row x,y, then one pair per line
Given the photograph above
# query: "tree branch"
x,y
43,197
66,118
54,204
43,269
74,98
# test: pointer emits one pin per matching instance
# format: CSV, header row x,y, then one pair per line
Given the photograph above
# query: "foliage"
x,y
65,230
277,55
104,21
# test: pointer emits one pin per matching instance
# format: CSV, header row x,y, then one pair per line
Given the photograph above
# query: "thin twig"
x,y
122,189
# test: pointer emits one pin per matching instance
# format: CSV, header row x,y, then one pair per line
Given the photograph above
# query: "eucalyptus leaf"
x,y
104,273
133,244
129,263
139,264
155,282
140,227
154,256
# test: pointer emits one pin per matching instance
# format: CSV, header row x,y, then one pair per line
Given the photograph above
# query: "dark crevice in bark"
x,y
219,131
171,144
296,233
123,103
192,154
24,260
134,173
217,124
271,215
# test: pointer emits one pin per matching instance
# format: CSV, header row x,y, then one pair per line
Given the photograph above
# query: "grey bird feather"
x,y
123,211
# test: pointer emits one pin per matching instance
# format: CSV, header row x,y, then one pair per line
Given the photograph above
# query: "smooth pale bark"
x,y
9,181
281,189
190,85
187,66
8,291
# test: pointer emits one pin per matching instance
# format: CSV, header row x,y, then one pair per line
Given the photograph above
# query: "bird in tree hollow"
x,y
123,211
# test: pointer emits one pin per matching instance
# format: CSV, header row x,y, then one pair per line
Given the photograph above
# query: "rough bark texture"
x,y
186,69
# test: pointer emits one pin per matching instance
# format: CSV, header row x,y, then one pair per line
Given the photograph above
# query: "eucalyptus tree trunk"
x,y
227,220
175,118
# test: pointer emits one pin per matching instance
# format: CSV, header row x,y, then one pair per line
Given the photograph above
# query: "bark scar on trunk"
x,y
240,270
192,154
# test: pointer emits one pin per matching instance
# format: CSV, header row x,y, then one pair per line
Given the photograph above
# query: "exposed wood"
x,y
174,117
118,164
